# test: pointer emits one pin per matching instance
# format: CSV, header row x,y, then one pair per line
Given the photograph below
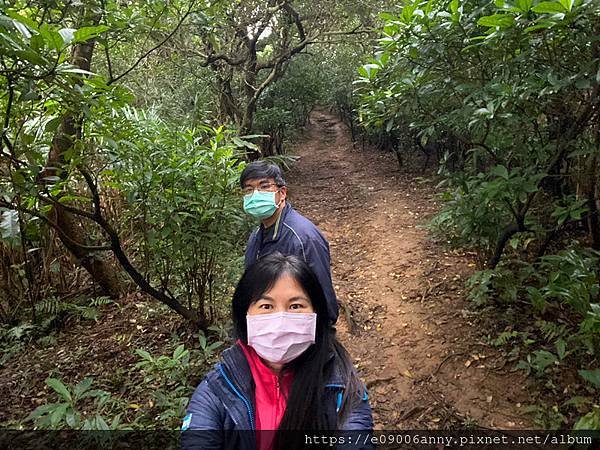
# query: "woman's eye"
x,y
265,306
297,306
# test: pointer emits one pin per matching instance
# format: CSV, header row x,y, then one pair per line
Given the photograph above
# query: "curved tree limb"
x,y
134,274
156,47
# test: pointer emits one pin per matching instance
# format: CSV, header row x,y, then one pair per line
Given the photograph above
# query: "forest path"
x,y
416,346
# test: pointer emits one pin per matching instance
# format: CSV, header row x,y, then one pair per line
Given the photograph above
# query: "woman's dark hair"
x,y
262,169
306,409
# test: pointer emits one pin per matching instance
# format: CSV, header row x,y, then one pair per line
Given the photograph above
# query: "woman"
x,y
286,371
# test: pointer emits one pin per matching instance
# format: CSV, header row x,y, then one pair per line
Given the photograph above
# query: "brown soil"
x,y
418,348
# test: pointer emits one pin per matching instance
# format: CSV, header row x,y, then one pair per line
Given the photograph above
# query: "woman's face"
x,y
286,295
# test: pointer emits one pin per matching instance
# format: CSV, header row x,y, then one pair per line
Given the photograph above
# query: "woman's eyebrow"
x,y
298,297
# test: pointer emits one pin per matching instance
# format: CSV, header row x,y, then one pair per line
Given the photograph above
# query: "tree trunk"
x,y
101,271
249,89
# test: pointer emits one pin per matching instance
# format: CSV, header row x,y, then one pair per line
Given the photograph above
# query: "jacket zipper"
x,y
240,395
339,395
277,392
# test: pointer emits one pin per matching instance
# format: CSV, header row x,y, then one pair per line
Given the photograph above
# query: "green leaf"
x,y
32,57
40,411
53,38
543,25
52,125
100,423
214,346
500,171
82,386
85,33
371,70
94,393
543,359
593,376
549,8
67,68
387,17
179,351
591,421
202,340
115,422
497,20
72,419
244,143
524,5
561,348
454,7
567,4
57,415
144,354
60,388
13,14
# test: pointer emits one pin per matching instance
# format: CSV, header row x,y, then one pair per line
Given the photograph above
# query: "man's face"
x,y
265,185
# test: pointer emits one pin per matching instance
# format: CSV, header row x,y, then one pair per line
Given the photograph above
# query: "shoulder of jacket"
x,y
303,226
254,233
208,388
216,373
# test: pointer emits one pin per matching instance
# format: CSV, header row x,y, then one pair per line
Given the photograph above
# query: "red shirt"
x,y
270,395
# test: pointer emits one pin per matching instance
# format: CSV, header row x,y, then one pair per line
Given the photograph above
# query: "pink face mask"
x,y
281,337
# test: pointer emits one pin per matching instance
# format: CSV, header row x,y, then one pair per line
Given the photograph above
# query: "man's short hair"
x,y
262,169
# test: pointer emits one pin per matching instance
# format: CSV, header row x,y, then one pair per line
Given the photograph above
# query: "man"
x,y
282,229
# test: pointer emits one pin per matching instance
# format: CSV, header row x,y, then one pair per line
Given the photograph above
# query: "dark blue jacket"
x,y
223,404
296,235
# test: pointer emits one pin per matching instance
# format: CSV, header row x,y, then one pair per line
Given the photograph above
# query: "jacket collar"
x,y
336,379
278,223
237,367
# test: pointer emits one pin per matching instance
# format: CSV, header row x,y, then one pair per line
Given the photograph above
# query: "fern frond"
x,y
101,301
51,305
551,331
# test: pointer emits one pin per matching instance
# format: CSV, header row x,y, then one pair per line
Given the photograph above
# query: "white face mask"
x,y
281,337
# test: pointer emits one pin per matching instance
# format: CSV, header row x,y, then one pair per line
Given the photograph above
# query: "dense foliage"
x,y
505,96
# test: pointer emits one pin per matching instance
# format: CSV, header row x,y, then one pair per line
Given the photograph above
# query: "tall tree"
x,y
250,44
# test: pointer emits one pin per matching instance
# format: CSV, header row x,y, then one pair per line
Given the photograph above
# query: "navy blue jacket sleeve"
x,y
317,257
250,257
359,425
205,412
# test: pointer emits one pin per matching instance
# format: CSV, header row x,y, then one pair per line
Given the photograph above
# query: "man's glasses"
x,y
261,187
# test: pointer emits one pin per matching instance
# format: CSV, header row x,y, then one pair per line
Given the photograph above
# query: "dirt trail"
x,y
416,346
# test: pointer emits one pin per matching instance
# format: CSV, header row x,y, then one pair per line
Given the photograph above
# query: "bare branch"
x,y
296,18
156,47
54,225
119,253
317,38
55,202
264,22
